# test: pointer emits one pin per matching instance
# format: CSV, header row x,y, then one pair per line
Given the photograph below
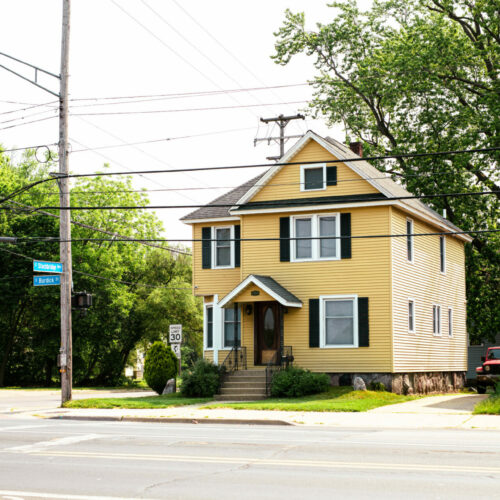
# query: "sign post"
x,y
175,339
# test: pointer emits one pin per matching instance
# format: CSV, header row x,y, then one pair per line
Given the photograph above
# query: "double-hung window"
x,y
313,177
232,322
339,321
316,237
409,240
436,319
411,316
223,246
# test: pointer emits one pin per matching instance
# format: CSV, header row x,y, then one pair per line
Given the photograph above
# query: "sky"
x,y
156,48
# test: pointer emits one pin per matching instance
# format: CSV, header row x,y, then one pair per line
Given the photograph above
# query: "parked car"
x,y
488,374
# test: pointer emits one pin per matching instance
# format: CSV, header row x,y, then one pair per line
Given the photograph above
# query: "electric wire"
x,y
146,285
28,123
50,239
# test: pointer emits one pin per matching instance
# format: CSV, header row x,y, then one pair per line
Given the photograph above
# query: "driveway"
x,y
457,404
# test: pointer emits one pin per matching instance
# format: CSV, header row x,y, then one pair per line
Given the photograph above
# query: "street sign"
x,y
40,266
175,334
177,350
46,280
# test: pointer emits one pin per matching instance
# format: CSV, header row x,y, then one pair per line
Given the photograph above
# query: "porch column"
x,y
217,327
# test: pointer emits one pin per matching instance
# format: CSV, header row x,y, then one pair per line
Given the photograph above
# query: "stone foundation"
x,y
407,383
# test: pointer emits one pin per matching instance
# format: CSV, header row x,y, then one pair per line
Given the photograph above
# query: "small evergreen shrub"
x,y
296,382
497,388
160,366
376,386
203,380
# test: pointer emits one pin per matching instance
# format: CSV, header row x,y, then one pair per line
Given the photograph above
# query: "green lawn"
x,y
139,385
145,402
335,399
490,406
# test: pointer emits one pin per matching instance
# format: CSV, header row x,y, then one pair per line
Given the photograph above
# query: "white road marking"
x,y
21,427
20,494
30,448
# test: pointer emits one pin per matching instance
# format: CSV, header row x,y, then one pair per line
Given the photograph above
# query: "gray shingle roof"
x,y
273,285
210,212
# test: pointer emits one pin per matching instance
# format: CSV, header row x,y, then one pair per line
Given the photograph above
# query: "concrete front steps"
x,y
244,385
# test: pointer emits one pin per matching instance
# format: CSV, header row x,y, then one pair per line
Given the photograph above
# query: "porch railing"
x,y
282,358
235,360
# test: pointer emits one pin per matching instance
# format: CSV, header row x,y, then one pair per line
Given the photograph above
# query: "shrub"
x,y
160,366
202,381
497,388
376,386
297,382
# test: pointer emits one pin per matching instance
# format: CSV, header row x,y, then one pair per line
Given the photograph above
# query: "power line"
x,y
257,165
28,210
27,147
50,103
28,123
176,95
297,238
146,285
183,110
272,203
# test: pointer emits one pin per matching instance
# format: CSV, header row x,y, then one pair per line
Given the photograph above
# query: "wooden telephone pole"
x,y
282,122
65,215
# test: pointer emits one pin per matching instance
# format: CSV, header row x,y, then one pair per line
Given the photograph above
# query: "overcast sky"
x,y
122,48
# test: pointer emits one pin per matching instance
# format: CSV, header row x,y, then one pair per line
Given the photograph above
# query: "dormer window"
x,y
313,177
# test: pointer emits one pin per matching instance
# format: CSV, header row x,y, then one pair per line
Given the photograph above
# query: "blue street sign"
x,y
46,280
41,266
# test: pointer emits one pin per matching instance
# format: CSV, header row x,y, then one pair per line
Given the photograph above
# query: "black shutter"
x,y
313,322
284,243
363,322
331,176
237,245
345,230
206,247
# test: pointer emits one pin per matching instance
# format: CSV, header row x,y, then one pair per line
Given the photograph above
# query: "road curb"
x,y
173,420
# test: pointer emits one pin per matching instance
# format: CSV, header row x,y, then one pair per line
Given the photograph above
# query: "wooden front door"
x,y
267,331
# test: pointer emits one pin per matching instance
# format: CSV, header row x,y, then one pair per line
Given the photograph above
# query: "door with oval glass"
x,y
267,331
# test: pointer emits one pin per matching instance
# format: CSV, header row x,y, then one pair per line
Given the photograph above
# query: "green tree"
x,y
137,289
410,76
160,366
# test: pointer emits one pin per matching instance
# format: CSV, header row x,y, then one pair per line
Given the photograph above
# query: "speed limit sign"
x,y
175,334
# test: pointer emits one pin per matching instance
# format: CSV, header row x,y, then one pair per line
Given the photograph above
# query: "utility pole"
x,y
282,122
65,357
65,214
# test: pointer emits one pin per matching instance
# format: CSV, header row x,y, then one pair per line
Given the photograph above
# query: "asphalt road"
x,y
81,459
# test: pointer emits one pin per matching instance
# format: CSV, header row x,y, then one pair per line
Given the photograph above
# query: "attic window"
x,y
313,177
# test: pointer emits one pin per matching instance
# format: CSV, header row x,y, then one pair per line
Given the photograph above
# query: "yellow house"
x,y
327,263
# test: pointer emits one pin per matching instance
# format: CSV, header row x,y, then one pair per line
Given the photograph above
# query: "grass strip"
x,y
335,399
165,401
490,406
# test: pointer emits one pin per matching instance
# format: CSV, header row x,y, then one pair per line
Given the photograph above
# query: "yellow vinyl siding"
x,y
423,282
365,274
212,281
286,183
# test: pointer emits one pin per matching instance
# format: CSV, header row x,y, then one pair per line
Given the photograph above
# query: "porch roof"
x,y
266,284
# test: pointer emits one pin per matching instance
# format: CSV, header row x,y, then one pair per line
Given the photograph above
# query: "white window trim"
x,y
303,177
223,337
322,330
315,246
410,299
450,323
214,247
443,238
439,332
205,326
412,240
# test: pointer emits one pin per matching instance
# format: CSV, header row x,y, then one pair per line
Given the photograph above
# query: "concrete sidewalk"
x,y
435,412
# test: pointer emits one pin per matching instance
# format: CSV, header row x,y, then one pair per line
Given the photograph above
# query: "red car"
x,y
489,373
